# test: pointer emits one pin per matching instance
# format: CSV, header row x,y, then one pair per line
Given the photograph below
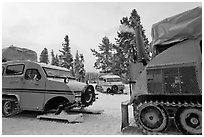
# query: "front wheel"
x,y
108,90
88,96
114,89
152,117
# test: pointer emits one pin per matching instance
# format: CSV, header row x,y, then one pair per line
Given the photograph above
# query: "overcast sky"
x,y
39,25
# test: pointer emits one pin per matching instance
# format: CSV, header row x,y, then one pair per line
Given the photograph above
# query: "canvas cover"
x,y
17,53
186,25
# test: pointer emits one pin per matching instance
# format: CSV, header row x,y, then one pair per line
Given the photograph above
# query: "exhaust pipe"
x,y
139,43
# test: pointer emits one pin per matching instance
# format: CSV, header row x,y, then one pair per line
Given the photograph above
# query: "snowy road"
x,y
107,123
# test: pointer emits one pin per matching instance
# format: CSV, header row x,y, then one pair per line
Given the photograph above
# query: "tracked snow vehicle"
x,y
28,85
169,87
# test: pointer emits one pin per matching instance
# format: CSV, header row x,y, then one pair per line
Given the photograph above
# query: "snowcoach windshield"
x,y
56,73
113,80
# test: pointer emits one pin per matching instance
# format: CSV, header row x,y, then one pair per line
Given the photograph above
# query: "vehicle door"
x,y
32,97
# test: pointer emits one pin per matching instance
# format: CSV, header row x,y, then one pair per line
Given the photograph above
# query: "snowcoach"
x,y
169,87
28,85
109,83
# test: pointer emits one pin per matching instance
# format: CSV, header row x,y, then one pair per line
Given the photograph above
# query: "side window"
x,y
201,46
32,74
15,69
100,79
3,70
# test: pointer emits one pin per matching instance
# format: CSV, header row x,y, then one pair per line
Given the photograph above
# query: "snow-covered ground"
x,y
107,123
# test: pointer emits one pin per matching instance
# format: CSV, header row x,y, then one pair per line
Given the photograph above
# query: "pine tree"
x,y
82,71
66,58
126,51
123,47
52,57
76,66
79,70
104,56
55,60
44,56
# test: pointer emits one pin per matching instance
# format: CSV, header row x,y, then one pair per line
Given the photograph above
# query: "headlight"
x,y
78,94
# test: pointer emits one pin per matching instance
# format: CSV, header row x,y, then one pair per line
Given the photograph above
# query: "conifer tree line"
x,y
66,60
116,57
111,57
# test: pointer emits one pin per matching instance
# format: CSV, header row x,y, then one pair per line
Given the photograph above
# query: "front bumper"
x,y
125,115
78,97
103,88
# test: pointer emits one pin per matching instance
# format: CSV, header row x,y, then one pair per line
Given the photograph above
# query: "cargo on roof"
x,y
186,25
17,53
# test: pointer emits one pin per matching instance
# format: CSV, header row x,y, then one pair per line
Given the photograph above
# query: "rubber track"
x,y
168,104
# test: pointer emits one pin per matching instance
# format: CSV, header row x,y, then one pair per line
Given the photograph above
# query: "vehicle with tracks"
x,y
169,87
28,85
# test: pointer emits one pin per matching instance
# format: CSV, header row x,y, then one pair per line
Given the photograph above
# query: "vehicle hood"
x,y
72,84
76,86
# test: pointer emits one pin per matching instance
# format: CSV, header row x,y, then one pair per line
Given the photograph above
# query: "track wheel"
x,y
189,121
152,117
7,108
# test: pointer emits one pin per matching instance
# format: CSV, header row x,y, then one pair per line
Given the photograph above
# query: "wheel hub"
x,y
88,97
7,107
152,117
192,120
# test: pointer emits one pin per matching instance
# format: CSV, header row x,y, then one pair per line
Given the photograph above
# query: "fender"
x,y
84,89
17,96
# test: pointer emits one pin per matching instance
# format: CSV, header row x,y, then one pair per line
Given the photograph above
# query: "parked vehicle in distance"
x,y
109,83
28,85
